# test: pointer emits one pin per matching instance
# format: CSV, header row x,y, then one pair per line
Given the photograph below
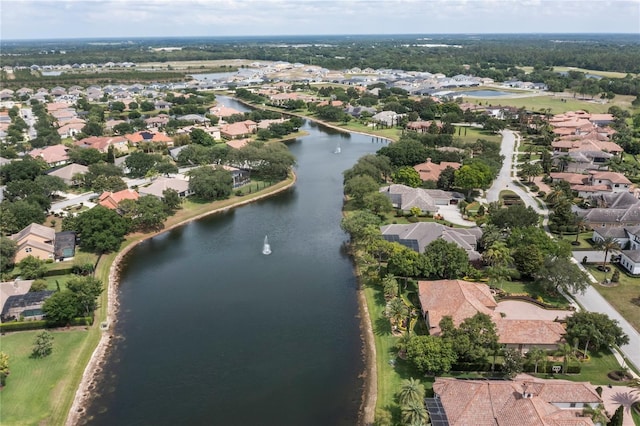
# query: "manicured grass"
x,y
594,370
531,289
584,239
37,391
391,370
469,135
392,133
620,296
555,103
611,74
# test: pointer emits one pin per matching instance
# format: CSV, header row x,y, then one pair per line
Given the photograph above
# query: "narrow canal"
x,y
211,331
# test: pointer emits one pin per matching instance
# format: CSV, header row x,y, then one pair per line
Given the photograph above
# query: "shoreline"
x,y
83,393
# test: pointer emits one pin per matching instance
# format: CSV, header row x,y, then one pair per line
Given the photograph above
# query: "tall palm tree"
x,y
581,223
597,414
415,413
411,390
566,352
498,254
607,245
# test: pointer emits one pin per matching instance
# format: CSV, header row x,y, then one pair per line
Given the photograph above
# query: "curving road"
x,y
590,300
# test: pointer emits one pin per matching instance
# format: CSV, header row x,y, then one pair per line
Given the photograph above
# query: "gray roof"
x,y
417,236
66,173
632,255
404,197
159,185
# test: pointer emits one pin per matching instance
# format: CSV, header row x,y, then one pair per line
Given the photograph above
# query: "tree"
x,y
446,179
415,414
411,390
396,311
8,249
38,285
210,183
445,260
559,274
27,169
596,330
139,163
86,290
101,230
407,176
537,355
171,200
4,368
597,414
513,363
566,352
404,262
474,340
607,245
93,128
359,186
618,416
31,267
377,202
61,307
149,213
497,254
19,214
431,354
43,345
166,168
390,287
200,137
356,223
514,216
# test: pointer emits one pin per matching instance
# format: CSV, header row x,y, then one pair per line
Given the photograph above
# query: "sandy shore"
x,y
94,367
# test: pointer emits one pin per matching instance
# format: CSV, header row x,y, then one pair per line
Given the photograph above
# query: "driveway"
x,y
615,396
452,214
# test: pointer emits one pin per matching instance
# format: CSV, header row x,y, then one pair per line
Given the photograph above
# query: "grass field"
x,y
555,103
620,296
37,391
469,135
611,74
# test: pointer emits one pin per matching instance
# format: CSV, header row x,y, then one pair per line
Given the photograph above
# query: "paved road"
x,y
591,300
72,201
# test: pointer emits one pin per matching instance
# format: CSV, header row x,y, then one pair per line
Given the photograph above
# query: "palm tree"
x,y
498,254
580,225
411,390
608,244
566,352
415,413
396,310
537,355
597,414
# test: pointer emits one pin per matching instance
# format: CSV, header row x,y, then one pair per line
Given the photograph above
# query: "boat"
x,y
266,248
338,150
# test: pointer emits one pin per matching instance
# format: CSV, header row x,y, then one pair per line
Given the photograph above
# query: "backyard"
x,y
622,296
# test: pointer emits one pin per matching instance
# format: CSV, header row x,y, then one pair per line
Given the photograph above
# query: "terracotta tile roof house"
x,y
157,121
102,143
159,185
241,129
579,144
264,124
431,171
463,299
417,236
596,182
422,126
55,155
68,172
148,136
70,130
35,240
524,401
238,143
111,200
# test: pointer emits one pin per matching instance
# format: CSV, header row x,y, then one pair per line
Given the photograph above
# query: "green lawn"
x,y
555,103
620,296
584,239
531,289
392,133
469,135
594,370
37,389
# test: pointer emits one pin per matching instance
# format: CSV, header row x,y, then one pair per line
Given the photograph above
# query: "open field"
x,y
469,135
37,391
233,64
556,103
620,296
610,74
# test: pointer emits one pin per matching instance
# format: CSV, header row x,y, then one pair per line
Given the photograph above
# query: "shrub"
x,y
22,325
534,188
615,277
542,194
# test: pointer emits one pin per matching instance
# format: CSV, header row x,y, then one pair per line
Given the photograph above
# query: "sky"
x,y
46,19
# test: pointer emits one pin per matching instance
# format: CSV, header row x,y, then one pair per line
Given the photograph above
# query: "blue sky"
x,y
36,19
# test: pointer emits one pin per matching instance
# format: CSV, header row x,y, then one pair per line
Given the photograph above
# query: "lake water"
x,y
211,331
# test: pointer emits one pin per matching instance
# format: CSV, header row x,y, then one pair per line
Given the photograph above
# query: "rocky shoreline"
x,y
93,369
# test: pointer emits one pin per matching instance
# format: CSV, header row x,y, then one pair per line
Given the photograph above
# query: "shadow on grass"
x,y
382,327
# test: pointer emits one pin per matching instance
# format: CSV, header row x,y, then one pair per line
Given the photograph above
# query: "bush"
x,y
22,325
64,271
534,188
542,194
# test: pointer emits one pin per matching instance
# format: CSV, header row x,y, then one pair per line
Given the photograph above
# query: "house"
x,y
26,306
239,130
55,155
149,136
615,209
524,401
422,126
159,185
13,288
158,121
595,182
628,237
35,240
240,176
460,300
69,173
388,118
223,111
71,129
405,198
417,236
581,161
111,200
431,171
102,143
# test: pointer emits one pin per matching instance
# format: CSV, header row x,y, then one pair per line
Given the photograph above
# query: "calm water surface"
x,y
212,332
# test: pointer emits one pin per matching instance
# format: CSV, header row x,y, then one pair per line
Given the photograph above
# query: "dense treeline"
x,y
491,52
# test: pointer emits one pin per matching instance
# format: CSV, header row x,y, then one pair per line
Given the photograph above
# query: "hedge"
x,y
54,272
35,325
